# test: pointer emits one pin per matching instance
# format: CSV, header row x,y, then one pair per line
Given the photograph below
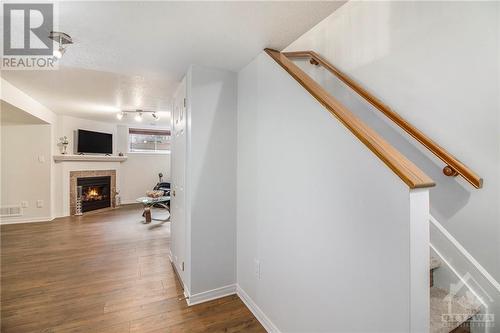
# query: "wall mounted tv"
x,y
89,142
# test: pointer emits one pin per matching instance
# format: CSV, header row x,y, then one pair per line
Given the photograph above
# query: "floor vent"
x,y
7,211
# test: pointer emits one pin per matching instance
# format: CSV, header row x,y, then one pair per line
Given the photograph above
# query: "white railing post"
x,y
419,261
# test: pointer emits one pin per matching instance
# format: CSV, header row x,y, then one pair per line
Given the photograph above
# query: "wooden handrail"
x,y
400,165
453,166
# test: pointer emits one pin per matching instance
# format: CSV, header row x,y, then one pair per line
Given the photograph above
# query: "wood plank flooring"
x,y
102,273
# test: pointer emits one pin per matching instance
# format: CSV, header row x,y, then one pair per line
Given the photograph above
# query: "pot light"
x,y
120,115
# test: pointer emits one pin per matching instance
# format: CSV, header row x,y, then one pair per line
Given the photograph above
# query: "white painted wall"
x,y
25,170
139,173
328,222
437,64
26,103
211,179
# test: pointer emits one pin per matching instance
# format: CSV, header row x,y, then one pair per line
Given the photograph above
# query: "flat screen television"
x,y
89,142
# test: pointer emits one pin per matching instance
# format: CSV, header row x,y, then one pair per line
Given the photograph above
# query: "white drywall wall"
x,y
436,64
22,101
211,178
323,226
25,170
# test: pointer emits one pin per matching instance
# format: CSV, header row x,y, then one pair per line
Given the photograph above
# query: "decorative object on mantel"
x,y
154,194
120,154
63,144
78,203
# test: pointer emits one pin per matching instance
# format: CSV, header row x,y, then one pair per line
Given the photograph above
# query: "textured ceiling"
x,y
130,55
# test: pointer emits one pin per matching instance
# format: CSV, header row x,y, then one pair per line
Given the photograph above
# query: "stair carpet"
x,y
443,303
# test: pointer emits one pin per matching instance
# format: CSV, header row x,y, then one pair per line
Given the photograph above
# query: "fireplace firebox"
x,y
94,192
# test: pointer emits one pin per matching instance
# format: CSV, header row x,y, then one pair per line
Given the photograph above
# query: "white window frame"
x,y
146,131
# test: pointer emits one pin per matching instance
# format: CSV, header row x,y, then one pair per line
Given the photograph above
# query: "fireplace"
x,y
94,192
80,178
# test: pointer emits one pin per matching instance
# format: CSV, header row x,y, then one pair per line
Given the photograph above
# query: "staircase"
x,y
443,304
449,313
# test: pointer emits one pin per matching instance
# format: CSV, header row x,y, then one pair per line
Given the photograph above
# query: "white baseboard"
x,y
170,256
17,220
178,276
257,312
211,295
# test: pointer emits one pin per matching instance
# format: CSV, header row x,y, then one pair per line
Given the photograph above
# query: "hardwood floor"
x,y
102,273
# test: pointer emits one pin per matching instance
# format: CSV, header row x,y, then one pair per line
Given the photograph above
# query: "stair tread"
x,y
434,262
462,307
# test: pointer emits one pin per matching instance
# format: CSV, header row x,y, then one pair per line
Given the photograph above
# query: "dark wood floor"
x,y
102,273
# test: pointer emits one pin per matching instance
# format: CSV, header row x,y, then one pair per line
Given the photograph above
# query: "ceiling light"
x,y
58,53
61,39
138,117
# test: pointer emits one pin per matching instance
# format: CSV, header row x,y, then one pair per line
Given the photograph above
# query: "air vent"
x,y
14,210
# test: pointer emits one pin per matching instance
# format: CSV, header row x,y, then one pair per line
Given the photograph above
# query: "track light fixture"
x,y
138,114
61,39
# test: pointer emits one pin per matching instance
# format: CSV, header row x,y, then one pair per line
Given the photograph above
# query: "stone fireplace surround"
x,y
74,175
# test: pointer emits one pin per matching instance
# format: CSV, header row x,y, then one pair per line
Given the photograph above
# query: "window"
x,y
148,140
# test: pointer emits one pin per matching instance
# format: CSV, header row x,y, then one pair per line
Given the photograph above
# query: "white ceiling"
x,y
130,55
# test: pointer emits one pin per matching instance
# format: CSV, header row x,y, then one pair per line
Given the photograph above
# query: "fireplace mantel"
x,y
89,158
